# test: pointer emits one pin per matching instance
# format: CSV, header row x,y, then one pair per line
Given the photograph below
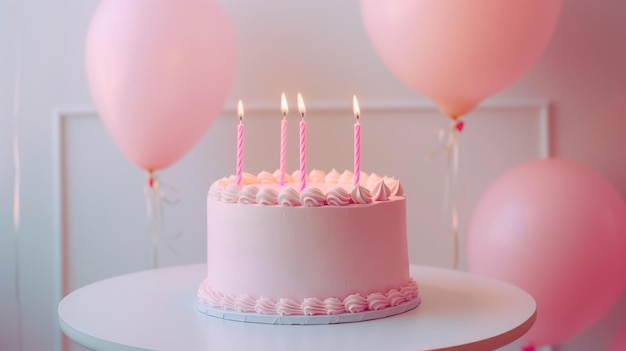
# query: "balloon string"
x,y
454,197
17,169
157,194
449,138
15,112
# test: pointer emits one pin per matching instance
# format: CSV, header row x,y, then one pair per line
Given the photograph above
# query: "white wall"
x,y
316,47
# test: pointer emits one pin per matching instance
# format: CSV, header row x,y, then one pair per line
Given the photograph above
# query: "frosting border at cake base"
x,y
307,320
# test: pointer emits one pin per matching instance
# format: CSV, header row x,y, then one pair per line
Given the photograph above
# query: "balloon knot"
x,y
459,126
150,179
528,348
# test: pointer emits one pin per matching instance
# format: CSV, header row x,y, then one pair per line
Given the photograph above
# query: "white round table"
x,y
156,310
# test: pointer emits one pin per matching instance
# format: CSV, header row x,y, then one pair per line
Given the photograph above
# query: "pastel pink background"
x,y
318,48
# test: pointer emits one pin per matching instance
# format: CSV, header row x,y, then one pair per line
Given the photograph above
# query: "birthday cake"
x,y
327,252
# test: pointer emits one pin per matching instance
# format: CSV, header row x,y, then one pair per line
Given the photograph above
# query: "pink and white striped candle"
x,y
283,139
357,141
240,143
302,143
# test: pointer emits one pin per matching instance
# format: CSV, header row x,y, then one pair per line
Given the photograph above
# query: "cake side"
x,y
299,252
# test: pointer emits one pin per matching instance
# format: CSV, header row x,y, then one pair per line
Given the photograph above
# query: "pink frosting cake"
x,y
334,249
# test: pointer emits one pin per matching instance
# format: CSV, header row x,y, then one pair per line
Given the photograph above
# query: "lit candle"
x,y
302,143
240,143
357,141
283,139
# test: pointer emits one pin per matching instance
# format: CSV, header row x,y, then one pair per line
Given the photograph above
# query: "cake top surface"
x,y
322,189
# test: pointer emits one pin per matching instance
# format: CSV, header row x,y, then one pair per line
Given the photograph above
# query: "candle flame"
x,y
355,107
283,105
240,110
301,105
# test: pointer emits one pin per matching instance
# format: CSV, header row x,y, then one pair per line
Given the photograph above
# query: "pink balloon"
x,y
618,343
459,52
556,229
159,72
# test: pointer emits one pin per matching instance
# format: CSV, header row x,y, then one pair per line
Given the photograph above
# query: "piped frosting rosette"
x,y
323,189
312,306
